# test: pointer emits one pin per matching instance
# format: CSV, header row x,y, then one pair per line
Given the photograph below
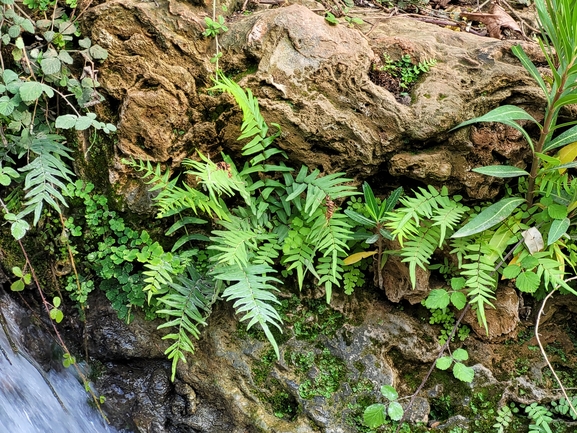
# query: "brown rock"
x,y
501,320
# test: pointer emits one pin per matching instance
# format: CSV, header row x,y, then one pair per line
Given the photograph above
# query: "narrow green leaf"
x,y
558,228
502,171
504,114
489,217
358,218
370,201
569,136
530,67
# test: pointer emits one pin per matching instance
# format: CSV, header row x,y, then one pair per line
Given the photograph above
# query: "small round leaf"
x,y
374,415
389,392
460,355
444,363
395,410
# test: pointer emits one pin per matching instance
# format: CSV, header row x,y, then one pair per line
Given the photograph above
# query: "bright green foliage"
x,y
372,217
376,414
214,27
423,224
533,224
187,303
405,70
460,370
35,79
291,219
115,253
562,407
540,417
504,418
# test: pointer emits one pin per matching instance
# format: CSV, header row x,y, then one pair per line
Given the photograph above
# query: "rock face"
x,y
314,80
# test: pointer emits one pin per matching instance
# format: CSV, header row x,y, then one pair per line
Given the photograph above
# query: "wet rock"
x,y
112,338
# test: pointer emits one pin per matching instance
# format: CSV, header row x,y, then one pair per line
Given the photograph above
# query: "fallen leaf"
x,y
496,20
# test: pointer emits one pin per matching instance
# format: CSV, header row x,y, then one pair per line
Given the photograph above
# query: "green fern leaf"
x,y
45,175
186,304
253,293
418,250
479,273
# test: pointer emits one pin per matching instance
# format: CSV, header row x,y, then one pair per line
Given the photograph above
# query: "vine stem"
x,y
59,338
448,342
537,323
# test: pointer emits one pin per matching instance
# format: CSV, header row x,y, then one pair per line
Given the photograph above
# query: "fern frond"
x,y
330,236
161,269
405,220
318,189
218,180
235,244
253,293
479,273
541,417
418,250
253,125
299,252
173,198
187,304
447,215
45,175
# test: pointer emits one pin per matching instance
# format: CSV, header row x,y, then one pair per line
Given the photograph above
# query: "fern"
x,y
330,236
252,293
418,250
423,224
541,418
173,198
187,304
405,221
235,244
253,124
479,273
317,188
45,175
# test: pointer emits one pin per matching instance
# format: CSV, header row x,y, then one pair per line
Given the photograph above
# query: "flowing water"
x,y
27,404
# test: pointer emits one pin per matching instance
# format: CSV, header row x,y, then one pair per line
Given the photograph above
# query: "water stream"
x,y
27,404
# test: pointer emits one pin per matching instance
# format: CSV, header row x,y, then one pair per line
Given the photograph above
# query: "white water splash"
x,y
27,404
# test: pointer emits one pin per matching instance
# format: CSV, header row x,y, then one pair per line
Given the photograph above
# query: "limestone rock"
x,y
313,79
